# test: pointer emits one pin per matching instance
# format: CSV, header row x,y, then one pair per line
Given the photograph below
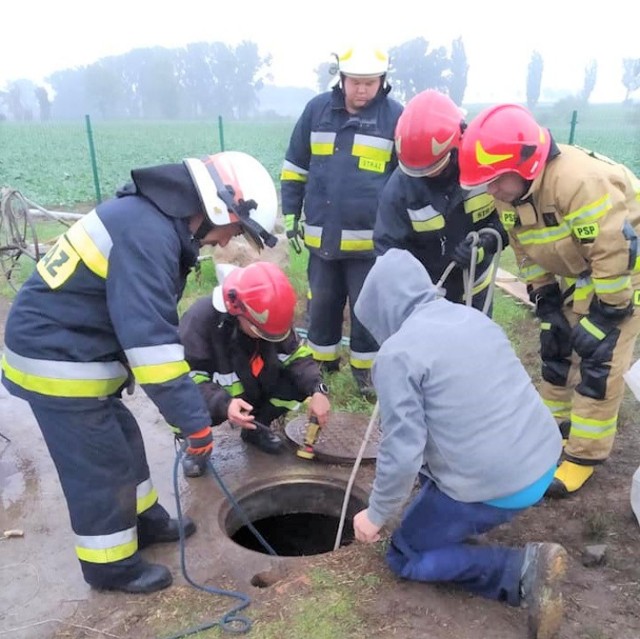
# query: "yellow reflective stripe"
x,y
87,249
611,285
356,245
302,351
590,212
311,241
324,353
532,272
160,373
293,177
362,361
146,496
558,409
235,389
485,158
434,224
479,206
584,288
200,378
322,148
371,153
593,428
289,404
312,235
57,387
545,235
591,328
483,282
107,549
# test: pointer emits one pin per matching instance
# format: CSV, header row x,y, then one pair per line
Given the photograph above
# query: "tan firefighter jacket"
x,y
580,220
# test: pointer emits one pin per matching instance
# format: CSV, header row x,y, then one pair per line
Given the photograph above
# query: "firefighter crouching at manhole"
x,y
100,312
340,155
246,358
424,210
574,218
480,461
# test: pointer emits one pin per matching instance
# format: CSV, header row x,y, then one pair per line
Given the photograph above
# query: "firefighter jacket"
x,y
429,217
336,166
580,221
223,361
101,306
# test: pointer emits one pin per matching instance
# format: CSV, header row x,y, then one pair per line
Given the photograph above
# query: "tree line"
x,y
210,79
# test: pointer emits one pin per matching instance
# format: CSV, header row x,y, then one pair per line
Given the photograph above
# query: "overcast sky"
x,y
42,36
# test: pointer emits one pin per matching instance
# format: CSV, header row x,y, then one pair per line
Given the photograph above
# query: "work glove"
x,y
595,335
294,231
487,244
200,444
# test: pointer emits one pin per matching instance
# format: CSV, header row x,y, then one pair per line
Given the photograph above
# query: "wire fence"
x,y
51,162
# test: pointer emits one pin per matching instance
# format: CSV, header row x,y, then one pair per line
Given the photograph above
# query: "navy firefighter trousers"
x,y
98,451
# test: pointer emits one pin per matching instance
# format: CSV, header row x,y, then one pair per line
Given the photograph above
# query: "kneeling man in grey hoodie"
x,y
459,411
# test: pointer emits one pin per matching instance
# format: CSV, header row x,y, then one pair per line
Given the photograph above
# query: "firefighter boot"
x,y
365,386
569,478
264,438
150,578
194,465
542,571
155,532
330,367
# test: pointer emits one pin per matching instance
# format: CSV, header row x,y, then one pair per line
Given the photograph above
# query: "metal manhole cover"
x,y
340,440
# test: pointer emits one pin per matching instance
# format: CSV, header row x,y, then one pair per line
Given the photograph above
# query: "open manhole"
x,y
297,517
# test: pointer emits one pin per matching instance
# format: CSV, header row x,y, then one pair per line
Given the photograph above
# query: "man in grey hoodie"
x,y
459,411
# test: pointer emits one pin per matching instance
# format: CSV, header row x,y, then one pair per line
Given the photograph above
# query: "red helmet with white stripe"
x,y
262,294
428,130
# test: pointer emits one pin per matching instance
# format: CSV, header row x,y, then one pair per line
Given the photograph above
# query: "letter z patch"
x,y
586,232
58,265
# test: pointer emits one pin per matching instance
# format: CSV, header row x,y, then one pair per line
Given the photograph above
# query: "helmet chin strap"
x,y
203,229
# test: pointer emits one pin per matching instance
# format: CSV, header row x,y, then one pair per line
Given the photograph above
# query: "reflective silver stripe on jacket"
x,y
152,355
64,370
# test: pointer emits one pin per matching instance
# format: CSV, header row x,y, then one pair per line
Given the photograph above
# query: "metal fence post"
x,y
221,133
574,121
94,163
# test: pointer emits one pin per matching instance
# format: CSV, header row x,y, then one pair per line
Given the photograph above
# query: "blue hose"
x,y
231,621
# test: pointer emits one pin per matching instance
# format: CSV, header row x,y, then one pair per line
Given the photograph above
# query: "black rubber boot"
x,y
365,385
263,438
161,533
194,465
151,578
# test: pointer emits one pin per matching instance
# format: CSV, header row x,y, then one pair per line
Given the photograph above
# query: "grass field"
x,y
50,163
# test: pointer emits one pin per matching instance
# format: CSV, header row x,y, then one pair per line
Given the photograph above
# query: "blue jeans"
x,y
429,546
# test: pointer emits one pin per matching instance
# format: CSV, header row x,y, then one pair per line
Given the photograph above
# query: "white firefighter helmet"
x,y
235,187
363,62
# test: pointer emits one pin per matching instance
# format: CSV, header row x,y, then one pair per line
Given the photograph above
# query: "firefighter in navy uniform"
x,y
423,208
574,219
340,156
247,361
100,312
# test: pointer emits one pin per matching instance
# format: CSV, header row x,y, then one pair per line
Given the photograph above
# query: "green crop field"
x,y
50,162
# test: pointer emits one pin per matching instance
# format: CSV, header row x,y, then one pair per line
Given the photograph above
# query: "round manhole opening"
x,y
295,517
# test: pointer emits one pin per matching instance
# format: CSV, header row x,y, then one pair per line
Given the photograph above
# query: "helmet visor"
x,y
427,171
269,337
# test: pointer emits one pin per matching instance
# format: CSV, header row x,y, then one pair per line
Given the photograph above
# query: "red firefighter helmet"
x,y
502,139
259,292
427,131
